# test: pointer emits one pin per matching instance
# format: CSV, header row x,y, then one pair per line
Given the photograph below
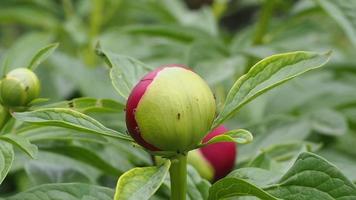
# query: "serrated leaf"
x,y
141,183
42,55
65,191
240,136
22,143
6,158
67,118
343,12
125,71
267,74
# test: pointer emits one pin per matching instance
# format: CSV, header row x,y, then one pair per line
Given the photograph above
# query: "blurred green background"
x,y
220,40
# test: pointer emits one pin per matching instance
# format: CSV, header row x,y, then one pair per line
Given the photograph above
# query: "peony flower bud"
x,y
170,109
19,87
214,161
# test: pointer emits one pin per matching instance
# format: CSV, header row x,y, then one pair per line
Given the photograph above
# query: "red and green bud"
x,y
214,161
19,87
170,109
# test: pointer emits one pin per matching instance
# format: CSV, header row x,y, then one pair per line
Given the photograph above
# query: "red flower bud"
x,y
170,109
216,160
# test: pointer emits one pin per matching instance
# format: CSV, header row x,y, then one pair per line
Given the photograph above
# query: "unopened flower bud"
x,y
19,87
170,109
216,160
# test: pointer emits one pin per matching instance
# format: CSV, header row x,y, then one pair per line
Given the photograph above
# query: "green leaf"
x,y
141,183
87,104
257,176
92,157
44,173
313,177
173,32
6,158
22,143
37,133
267,74
343,12
233,187
283,132
280,157
328,122
46,169
65,191
344,161
198,188
22,52
27,15
42,55
125,71
240,136
67,118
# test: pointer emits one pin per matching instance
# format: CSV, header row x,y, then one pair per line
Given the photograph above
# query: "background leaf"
x,y
267,74
125,72
6,159
311,177
141,183
65,191
42,55
240,136
343,13
87,104
22,143
68,118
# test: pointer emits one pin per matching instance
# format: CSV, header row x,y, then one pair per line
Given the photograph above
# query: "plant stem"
x,y
263,21
95,26
262,26
178,174
68,8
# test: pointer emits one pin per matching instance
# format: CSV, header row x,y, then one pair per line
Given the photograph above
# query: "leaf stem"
x,y
178,174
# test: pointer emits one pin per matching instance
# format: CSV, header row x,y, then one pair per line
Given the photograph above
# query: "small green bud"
x,y
19,87
170,109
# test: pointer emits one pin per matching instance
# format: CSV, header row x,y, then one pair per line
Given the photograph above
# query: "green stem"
x,y
68,8
261,29
263,21
95,27
178,173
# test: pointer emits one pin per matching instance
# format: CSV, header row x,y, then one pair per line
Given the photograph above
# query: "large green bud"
x,y
19,87
170,109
